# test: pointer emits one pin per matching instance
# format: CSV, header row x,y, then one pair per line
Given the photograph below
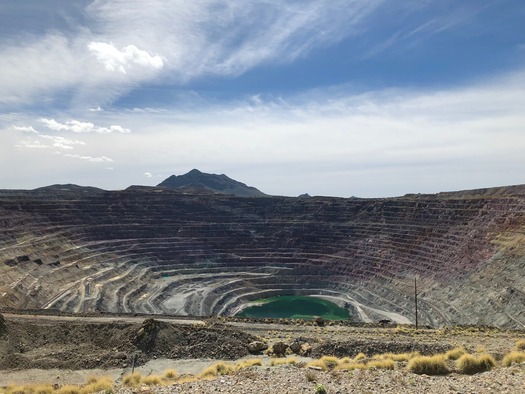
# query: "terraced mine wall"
x,y
154,250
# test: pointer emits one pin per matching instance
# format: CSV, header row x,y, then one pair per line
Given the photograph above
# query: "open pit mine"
x,y
193,251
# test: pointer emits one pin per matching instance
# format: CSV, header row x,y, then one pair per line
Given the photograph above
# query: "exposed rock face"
x,y
159,250
198,181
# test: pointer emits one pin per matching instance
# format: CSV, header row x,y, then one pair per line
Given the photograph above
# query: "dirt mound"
x,y
105,345
368,347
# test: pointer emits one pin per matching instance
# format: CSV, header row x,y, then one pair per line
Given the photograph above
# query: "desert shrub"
x,y
217,369
318,364
520,345
97,384
381,364
320,389
396,356
469,364
283,361
170,374
454,354
311,376
68,389
152,380
132,380
330,361
360,356
249,363
350,366
346,360
30,389
428,365
513,357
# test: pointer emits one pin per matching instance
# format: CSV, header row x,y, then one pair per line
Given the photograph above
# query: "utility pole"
x,y
415,299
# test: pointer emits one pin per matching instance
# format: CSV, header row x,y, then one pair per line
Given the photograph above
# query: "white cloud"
x,y
81,127
28,129
148,175
61,142
32,144
130,56
101,159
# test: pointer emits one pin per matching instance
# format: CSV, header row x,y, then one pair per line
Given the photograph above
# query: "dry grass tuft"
x,y
283,361
170,374
317,364
360,356
513,357
152,380
428,365
350,366
249,363
133,380
470,365
520,345
30,389
69,389
396,356
381,364
97,384
330,361
454,354
188,379
217,369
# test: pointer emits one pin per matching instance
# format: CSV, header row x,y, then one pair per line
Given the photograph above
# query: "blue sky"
x,y
346,98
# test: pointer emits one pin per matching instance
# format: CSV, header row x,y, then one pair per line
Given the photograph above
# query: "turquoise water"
x,y
295,307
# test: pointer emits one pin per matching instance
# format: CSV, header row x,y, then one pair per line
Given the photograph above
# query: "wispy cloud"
x,y
31,144
81,127
113,52
101,159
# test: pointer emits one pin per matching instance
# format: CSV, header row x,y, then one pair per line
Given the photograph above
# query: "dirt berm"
x,y
77,345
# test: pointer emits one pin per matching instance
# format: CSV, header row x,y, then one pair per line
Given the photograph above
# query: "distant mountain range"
x,y
196,180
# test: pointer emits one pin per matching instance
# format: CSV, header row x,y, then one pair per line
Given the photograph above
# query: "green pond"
x,y
295,307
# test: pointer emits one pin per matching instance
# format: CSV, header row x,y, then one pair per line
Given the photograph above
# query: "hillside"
x,y
159,250
196,181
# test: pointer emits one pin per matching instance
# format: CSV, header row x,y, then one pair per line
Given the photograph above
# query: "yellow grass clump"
x,y
317,364
520,345
132,380
152,380
396,356
470,365
513,357
381,364
283,361
346,360
428,365
249,363
350,366
360,356
30,389
217,369
454,354
330,361
170,374
97,384
69,389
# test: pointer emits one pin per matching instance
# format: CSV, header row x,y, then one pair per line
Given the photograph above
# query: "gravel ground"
x,y
291,380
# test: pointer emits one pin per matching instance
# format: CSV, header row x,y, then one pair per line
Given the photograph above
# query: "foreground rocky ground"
x,y
292,380
63,350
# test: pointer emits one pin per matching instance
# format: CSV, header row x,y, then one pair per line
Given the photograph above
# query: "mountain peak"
x,y
198,180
